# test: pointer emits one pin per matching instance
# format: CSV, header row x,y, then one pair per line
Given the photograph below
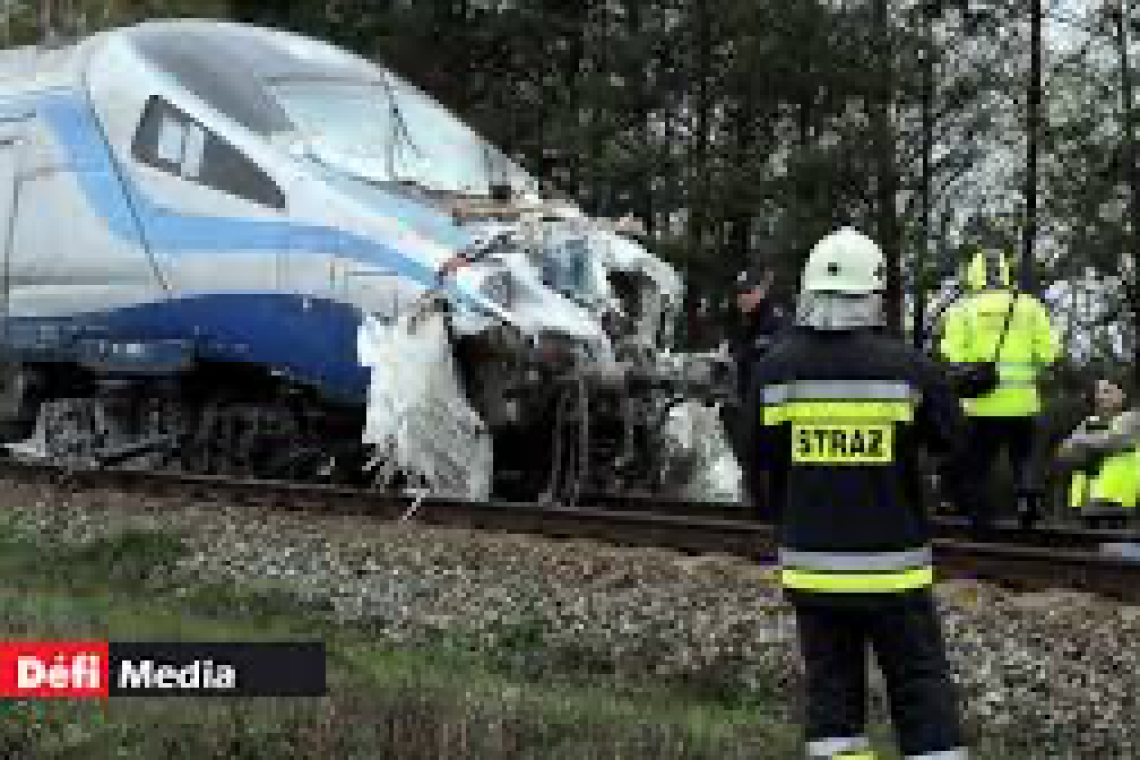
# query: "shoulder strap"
x,y
1008,318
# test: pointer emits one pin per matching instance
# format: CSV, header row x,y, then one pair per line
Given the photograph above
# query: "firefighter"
x,y
1003,419
1104,453
838,412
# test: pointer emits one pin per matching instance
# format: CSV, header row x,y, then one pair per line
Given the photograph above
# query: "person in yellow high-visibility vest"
x,y
1104,452
1005,417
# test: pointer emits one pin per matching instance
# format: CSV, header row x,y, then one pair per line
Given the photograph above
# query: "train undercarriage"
x,y
558,431
219,420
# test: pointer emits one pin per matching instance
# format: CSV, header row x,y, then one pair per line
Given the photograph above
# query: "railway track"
x,y
1005,532
1041,558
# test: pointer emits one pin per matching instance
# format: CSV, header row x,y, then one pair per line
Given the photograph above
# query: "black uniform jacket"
x,y
837,419
751,336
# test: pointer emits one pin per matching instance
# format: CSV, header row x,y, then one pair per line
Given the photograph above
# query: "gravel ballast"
x,y
1054,675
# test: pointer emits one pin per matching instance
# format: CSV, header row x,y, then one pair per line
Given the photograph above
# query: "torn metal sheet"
x,y
417,417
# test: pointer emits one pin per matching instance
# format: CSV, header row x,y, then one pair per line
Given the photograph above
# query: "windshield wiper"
x,y
400,131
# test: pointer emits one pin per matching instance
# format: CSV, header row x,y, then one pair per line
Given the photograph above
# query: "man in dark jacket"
x,y
757,324
837,412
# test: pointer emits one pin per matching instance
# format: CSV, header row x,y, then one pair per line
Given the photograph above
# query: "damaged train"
x,y
239,251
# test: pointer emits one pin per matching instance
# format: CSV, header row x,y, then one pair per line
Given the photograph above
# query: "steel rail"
x,y
1061,559
1043,535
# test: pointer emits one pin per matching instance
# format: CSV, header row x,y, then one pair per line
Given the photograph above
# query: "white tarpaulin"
x,y
418,418
695,431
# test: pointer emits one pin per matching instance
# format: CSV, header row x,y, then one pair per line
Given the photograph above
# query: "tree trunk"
x,y
1131,157
598,187
48,22
642,194
883,150
1033,126
740,241
698,190
922,251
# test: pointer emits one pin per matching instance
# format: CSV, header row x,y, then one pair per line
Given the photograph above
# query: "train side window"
x,y
172,141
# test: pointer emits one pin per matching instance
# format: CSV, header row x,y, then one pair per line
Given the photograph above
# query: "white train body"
x,y
157,188
194,192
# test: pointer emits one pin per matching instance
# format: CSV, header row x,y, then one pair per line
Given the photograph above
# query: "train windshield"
x,y
389,131
565,267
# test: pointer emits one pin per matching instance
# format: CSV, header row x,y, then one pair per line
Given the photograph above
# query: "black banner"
x,y
234,669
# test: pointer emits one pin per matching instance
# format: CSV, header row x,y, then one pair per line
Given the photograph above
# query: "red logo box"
x,y
66,669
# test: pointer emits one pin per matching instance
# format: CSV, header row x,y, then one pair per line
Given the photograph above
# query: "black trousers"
x,y
906,637
970,476
757,495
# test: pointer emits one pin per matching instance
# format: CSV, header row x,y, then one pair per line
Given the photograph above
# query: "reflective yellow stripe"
x,y
857,583
1017,373
856,562
844,746
840,390
1004,402
1079,489
839,412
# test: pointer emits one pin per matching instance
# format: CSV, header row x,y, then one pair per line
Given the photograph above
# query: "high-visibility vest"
x,y
970,334
1109,486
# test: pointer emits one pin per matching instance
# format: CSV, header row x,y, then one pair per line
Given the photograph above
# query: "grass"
x,y
449,702
383,702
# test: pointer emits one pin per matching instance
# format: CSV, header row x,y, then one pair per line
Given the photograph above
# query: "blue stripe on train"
x,y
310,339
174,233
314,343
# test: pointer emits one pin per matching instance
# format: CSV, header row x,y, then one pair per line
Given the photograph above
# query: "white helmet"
x,y
846,261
